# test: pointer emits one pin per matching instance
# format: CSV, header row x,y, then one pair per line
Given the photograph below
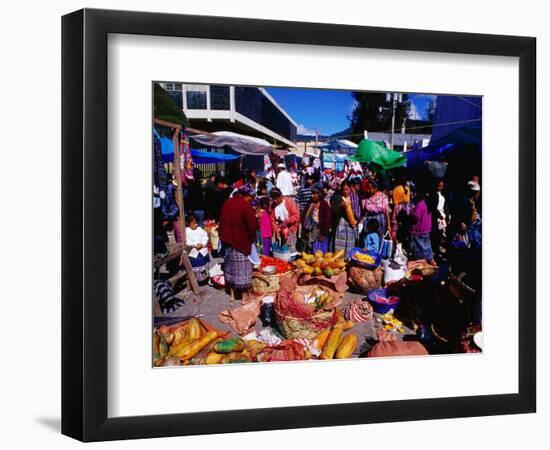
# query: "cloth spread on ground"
x,y
243,317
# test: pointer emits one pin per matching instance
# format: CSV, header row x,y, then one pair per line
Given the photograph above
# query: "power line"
x,y
469,102
413,128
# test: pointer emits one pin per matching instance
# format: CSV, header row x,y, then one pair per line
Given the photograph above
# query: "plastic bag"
x,y
393,271
386,248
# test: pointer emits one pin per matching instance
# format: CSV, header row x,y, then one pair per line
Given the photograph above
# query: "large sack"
x,y
365,280
394,271
397,348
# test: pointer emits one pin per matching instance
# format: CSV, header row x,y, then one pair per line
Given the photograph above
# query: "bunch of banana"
x,y
327,264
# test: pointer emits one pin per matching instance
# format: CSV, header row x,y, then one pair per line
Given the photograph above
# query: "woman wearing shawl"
x,y
287,217
344,220
318,222
376,206
238,228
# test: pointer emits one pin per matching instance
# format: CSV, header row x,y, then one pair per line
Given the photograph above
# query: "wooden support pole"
x,y
181,219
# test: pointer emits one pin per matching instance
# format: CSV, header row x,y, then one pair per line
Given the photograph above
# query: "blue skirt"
x,y
421,247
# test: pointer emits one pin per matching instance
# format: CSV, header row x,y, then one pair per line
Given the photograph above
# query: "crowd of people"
x,y
312,209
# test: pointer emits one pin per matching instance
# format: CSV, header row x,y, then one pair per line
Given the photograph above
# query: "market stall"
x,y
318,307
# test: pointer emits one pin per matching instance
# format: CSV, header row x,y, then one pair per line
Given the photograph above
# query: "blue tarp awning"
x,y
202,157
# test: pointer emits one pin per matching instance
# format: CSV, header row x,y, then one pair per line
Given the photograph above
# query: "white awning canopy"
x,y
247,145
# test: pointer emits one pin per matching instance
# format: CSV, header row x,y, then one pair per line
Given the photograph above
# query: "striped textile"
x,y
359,311
303,198
345,237
237,269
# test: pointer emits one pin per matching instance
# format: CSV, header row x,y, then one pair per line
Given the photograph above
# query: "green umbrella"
x,y
374,152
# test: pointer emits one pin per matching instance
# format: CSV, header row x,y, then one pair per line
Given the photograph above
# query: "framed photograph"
x,y
273,224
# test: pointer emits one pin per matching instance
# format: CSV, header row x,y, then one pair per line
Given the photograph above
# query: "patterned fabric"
x,y
358,311
185,156
303,198
159,174
355,204
170,209
237,269
345,237
377,203
164,293
421,247
320,245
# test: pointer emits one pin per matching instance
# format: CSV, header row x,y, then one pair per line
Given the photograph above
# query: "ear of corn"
x,y
332,342
347,346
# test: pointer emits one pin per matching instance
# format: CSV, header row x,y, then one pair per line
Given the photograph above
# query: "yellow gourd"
x,y
213,358
175,349
332,343
347,346
321,338
179,336
194,329
196,346
348,325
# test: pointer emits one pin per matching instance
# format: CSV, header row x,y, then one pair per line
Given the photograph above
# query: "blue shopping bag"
x,y
386,249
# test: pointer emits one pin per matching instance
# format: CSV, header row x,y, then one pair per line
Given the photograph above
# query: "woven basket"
x,y
297,328
267,284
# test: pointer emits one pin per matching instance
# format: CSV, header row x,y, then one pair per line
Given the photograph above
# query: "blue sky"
x,y
326,110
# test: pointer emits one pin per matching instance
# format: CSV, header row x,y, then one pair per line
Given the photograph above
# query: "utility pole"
x,y
394,98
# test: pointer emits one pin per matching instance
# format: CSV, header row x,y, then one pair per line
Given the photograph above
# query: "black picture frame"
x,y
84,224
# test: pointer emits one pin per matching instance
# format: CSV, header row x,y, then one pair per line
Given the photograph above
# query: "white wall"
x,y
31,189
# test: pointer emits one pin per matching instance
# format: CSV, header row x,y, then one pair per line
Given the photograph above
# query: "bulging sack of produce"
x,y
397,348
364,280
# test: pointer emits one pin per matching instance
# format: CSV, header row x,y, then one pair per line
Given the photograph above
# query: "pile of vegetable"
x,y
363,257
319,297
190,343
177,345
327,264
282,266
333,344
193,343
391,323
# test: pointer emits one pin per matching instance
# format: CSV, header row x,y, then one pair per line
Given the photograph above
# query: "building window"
x,y
195,95
172,86
219,97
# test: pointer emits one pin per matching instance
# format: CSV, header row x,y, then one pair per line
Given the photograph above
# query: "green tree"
x,y
164,108
373,113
